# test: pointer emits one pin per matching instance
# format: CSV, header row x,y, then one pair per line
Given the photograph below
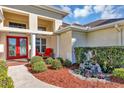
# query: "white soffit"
x,y
1,15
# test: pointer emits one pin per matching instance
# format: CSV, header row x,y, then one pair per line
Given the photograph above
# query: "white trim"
x,y
18,30
33,45
1,15
72,27
41,45
106,25
15,10
53,9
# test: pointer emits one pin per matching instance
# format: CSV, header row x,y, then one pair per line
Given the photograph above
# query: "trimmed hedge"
x,y
36,59
39,66
108,57
118,72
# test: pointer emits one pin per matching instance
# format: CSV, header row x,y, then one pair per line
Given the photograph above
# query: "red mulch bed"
x,y
62,78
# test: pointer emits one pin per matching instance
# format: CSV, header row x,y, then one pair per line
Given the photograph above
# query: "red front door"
x,y
17,47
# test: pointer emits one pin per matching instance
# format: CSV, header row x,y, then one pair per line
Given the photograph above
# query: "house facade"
x,y
23,29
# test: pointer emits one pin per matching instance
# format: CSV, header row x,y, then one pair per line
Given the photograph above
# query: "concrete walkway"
x,y
24,79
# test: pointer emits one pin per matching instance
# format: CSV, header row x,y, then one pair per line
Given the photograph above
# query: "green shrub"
x,y
2,62
6,82
36,59
3,70
67,63
118,72
56,64
49,60
108,57
39,66
61,60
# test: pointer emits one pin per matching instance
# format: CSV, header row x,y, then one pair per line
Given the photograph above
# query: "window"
x,y
40,44
41,28
17,25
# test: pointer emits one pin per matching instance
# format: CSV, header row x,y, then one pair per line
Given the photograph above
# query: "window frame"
x,y
41,45
17,25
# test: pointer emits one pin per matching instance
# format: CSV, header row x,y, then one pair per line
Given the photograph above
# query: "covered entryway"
x,y
17,47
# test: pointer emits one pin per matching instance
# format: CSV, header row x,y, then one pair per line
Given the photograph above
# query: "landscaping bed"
x,y
117,80
62,78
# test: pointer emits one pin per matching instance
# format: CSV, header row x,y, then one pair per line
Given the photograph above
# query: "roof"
x,y
102,22
64,25
94,23
98,24
53,9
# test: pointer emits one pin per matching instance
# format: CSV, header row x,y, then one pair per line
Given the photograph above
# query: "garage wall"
x,y
78,39
105,37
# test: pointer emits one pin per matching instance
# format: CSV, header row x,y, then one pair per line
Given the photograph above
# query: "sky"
x,y
82,14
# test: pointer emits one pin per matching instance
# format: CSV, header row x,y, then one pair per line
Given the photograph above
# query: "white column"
x,y
33,45
33,23
58,45
120,38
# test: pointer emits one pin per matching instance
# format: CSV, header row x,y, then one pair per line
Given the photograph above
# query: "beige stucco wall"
x,y
65,49
105,37
79,39
3,43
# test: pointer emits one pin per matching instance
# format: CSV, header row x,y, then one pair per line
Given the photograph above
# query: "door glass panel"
x,y
22,46
12,47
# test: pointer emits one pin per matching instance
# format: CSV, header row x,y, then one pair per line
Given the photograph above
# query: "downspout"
x,y
120,32
58,45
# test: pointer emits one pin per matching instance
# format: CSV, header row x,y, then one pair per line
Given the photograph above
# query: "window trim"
x,y
41,45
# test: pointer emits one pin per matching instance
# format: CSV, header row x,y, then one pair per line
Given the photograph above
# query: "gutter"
x,y
71,27
85,29
106,25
